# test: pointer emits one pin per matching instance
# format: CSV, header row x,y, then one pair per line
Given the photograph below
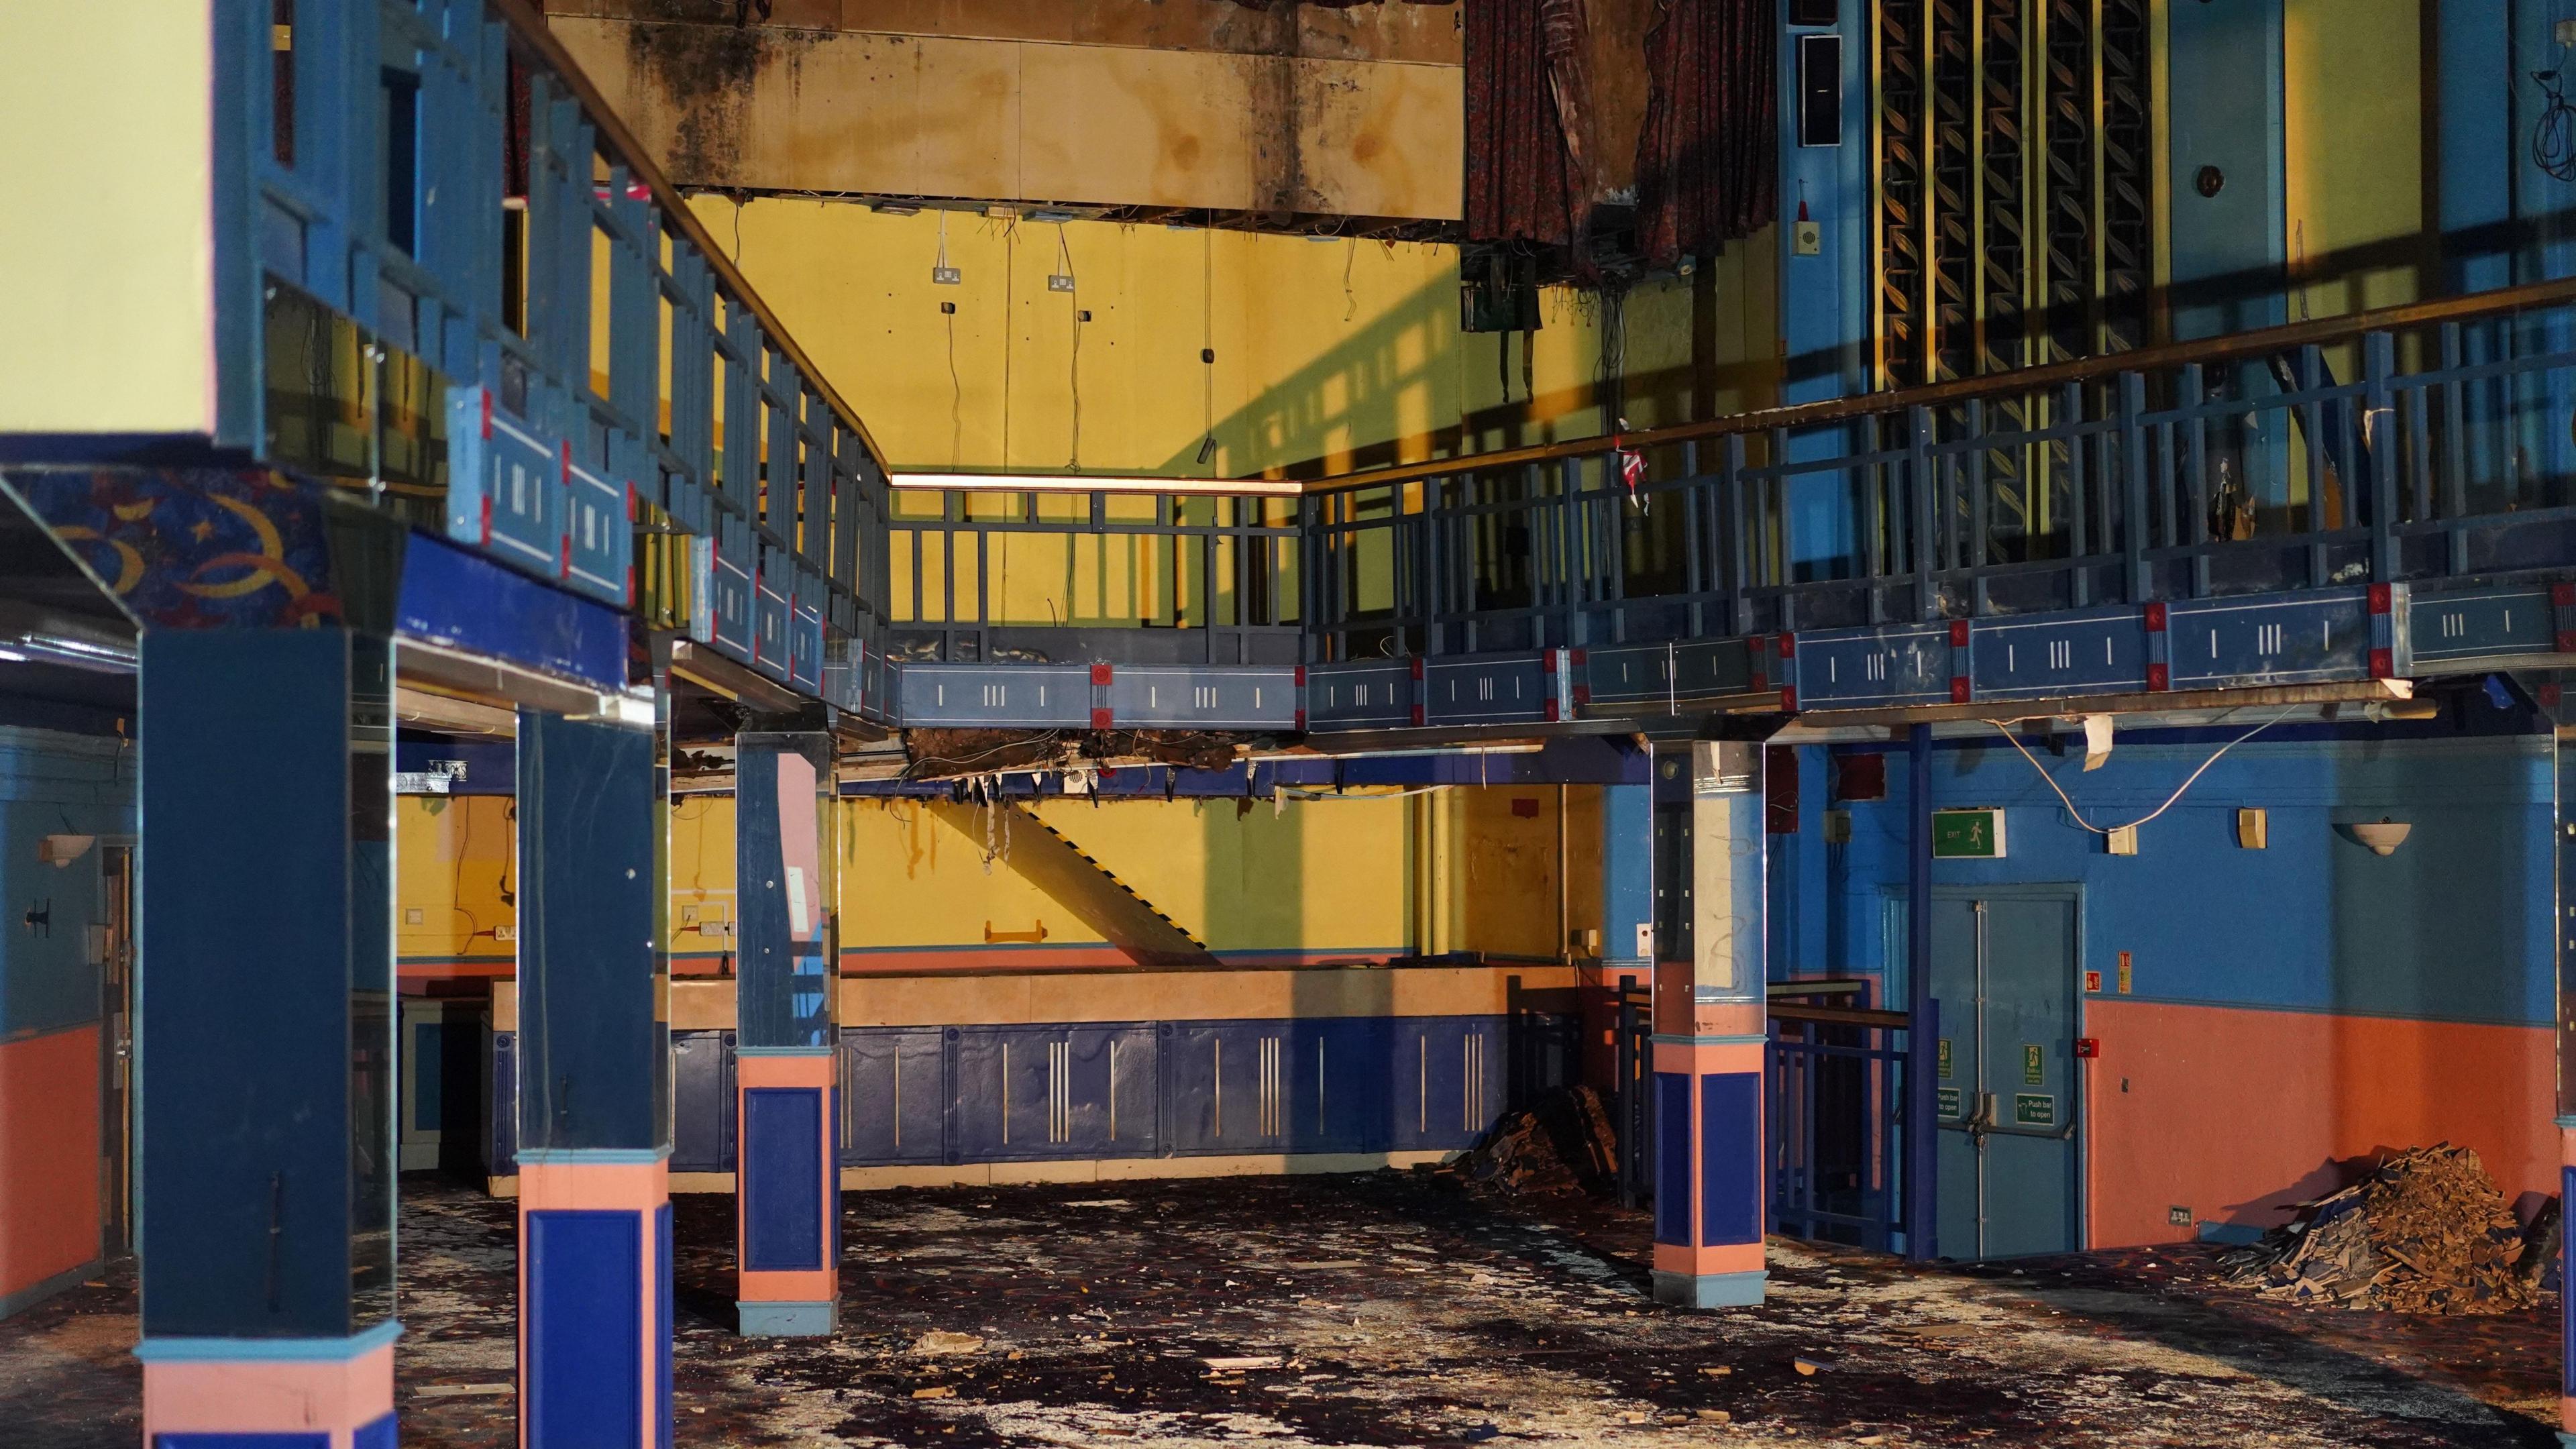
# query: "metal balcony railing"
x,y
2410,443
1063,576
441,256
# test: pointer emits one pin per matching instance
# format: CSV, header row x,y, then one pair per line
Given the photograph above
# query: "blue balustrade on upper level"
x,y
449,283
2323,504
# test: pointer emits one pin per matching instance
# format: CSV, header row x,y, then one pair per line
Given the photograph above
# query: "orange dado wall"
x,y
49,1146
2236,1114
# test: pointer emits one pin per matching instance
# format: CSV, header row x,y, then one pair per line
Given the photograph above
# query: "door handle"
x,y
1982,1123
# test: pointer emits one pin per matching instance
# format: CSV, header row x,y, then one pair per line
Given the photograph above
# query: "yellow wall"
x,y
701,869
2354,164
1329,354
1367,876
1493,879
1320,878
454,856
107,318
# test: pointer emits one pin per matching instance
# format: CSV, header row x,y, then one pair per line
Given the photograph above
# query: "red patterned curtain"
x,y
1522,185
1708,163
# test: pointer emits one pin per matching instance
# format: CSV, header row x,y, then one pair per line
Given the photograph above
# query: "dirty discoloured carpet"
x,y
1390,1309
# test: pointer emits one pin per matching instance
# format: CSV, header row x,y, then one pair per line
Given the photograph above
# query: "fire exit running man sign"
x,y
1967,834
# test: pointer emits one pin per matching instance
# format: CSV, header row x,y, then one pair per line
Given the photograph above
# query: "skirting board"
x,y
1107,1169
35,1293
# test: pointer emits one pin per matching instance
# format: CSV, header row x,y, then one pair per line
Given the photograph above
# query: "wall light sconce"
x,y
2381,836
60,851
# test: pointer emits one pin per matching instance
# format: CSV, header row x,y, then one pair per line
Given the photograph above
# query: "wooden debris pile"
x,y
1564,1143
2426,1232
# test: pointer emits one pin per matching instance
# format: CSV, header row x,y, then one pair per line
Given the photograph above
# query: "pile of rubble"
x,y
1562,1144
2426,1232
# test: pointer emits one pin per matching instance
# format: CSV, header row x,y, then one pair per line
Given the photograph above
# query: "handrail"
x,y
2232,347
530,26
1842,1015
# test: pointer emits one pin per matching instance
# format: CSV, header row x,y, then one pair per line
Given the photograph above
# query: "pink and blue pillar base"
x,y
595,1299
787,1224
2566,1298
1708,1171
287,1393
594,1118
787,1182
264,1036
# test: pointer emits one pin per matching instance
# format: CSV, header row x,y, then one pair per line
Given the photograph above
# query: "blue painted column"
x,y
1627,877
787,1176
264,1037
1824,303
1710,1036
1922,1102
594,1084
1627,953
2228,252
2545,211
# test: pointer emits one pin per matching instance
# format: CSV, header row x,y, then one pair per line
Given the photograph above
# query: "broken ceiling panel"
x,y
787,108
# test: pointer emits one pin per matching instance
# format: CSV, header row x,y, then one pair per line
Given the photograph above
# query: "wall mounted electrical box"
x,y
2123,840
2251,829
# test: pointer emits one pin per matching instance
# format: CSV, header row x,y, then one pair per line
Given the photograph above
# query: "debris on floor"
x,y
2426,1232
1563,1144
1387,1308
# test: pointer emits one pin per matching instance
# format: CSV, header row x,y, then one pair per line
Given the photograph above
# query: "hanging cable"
x,y
1073,282
1010,325
956,386
2553,136
1207,344
1300,792
2002,728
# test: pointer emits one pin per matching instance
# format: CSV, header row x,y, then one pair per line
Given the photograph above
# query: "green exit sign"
x,y
1967,834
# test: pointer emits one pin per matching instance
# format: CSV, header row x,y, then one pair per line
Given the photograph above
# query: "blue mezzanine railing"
x,y
1075,575
472,299
2415,444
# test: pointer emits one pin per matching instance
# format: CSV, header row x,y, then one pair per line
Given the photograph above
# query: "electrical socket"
x,y
1807,239
946,276
2179,1217
1059,282
505,933
2564,32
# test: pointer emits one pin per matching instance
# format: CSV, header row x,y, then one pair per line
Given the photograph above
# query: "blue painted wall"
x,y
2453,927
54,784
1824,299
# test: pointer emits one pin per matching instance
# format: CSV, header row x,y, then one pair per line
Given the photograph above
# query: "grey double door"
x,y
2006,1080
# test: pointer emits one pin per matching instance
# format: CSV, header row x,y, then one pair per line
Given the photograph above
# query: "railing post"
x,y
1922,1222
1732,560
1694,553
2379,446
2079,491
1918,482
1310,604
2134,518
1572,559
